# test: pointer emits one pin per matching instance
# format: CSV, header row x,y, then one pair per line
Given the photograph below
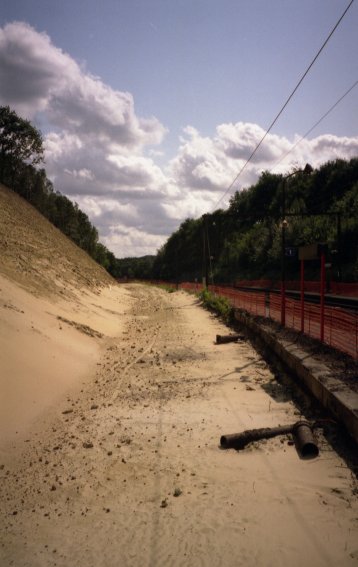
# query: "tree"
x,y
246,239
20,142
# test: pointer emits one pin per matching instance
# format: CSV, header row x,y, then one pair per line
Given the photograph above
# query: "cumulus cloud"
x,y
39,77
199,164
316,151
131,242
30,68
100,153
238,141
211,164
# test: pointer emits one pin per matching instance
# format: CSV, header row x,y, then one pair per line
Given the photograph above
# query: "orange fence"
x,y
340,326
254,302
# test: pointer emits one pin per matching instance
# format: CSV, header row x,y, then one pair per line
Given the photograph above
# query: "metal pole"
x,y
205,261
207,251
306,171
323,277
302,296
339,237
283,258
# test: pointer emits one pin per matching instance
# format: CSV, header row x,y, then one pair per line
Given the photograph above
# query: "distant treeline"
x,y
245,241
136,268
242,242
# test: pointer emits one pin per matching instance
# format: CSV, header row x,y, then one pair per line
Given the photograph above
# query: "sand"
x,y
119,407
47,348
113,399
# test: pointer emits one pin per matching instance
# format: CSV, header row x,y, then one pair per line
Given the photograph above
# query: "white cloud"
x,y
211,164
199,164
81,173
316,152
238,141
30,68
99,152
107,212
38,77
132,241
329,147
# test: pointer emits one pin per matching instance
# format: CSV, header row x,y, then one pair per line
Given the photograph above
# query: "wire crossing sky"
x,y
285,105
150,108
317,123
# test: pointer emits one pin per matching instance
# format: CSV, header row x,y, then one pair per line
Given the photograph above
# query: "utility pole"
x,y
205,252
339,238
306,171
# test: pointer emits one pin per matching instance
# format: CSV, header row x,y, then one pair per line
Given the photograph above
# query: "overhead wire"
x,y
283,157
284,106
315,125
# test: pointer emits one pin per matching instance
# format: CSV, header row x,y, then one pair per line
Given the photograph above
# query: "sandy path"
x,y
127,471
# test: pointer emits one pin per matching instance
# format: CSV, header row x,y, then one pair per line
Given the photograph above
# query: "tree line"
x,y
242,242
21,157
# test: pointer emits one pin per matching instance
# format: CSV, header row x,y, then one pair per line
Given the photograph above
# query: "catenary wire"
x,y
315,125
284,106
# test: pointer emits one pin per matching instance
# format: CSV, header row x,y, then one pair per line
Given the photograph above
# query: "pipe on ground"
x,y
304,440
301,431
221,339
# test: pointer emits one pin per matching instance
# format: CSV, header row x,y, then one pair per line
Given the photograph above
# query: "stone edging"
x,y
335,396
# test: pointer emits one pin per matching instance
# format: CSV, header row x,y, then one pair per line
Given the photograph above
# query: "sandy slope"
x,y
39,257
48,347
119,396
45,283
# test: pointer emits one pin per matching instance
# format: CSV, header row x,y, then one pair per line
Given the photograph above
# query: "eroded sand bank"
x,y
49,346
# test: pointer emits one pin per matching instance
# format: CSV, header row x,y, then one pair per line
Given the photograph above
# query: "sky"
x,y
149,109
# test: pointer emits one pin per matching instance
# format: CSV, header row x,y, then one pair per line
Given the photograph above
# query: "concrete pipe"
x,y
304,439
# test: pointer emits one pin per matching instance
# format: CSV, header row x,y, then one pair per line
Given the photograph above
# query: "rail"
x,y
335,288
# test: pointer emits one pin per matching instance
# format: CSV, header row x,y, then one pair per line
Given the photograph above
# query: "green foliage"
x,y
243,242
19,139
258,201
135,268
180,258
21,149
219,305
246,240
167,288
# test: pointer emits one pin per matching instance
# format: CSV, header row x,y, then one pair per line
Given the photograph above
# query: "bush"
x,y
217,304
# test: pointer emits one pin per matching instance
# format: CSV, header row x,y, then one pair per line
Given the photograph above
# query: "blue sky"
x,y
189,85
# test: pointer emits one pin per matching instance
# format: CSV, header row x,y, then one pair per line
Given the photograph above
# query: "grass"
x,y
168,288
217,304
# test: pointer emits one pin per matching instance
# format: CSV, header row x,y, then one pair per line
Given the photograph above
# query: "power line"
x,y
284,106
316,124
